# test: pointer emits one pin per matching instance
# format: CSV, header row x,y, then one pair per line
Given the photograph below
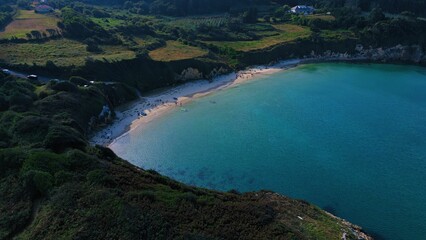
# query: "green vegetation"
x,y
176,51
61,52
27,24
54,185
285,33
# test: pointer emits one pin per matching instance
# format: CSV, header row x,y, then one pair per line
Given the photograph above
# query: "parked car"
x,y
32,77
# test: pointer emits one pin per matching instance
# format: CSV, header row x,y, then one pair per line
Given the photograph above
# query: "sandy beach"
x,y
153,105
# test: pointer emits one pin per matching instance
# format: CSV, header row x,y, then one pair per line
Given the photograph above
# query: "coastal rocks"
x,y
217,72
189,74
398,54
413,54
287,209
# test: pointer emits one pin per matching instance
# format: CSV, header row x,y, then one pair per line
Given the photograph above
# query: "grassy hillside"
x,y
62,52
284,33
26,21
176,51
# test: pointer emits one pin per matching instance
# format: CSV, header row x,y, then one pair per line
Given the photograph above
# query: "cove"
x,y
350,138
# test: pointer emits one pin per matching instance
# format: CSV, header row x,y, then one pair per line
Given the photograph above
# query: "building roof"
x,y
302,7
43,7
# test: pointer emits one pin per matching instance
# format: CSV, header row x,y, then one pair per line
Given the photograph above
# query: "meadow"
x,y
26,21
283,33
62,52
175,50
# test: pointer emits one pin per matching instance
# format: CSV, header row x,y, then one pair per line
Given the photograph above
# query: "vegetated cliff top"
x,y
54,185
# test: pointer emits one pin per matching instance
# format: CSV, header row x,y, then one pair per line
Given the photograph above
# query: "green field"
x,y
337,34
108,23
175,50
62,52
284,33
27,20
321,16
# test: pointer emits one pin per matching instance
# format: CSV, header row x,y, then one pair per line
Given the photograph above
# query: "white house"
x,y
302,9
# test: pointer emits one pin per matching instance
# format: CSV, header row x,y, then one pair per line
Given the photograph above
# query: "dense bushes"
x,y
6,13
79,81
60,138
31,129
38,181
64,86
100,177
79,26
11,158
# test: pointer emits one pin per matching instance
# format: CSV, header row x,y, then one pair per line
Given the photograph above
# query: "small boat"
x,y
6,71
184,109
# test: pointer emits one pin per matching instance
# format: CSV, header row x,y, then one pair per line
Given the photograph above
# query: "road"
x,y
44,79
41,79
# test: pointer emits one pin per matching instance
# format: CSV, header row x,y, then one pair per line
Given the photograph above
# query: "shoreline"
x,y
155,104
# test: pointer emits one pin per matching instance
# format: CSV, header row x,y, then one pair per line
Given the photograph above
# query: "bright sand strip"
x,y
156,104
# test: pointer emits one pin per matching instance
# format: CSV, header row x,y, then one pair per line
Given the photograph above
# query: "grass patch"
x,y
26,21
108,23
285,33
145,41
337,34
62,52
175,50
322,17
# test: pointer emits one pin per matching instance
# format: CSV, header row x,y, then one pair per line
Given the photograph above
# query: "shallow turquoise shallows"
x,y
350,138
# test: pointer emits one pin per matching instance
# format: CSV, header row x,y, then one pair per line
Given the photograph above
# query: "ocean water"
x,y
350,138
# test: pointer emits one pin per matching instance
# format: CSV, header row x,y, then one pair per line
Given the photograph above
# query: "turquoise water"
x,y
348,138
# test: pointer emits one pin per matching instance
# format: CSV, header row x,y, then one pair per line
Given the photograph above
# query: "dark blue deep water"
x,y
348,138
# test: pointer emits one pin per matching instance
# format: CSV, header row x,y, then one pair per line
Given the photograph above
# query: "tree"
x,y
376,15
36,34
286,8
52,32
279,12
250,16
267,18
92,45
409,15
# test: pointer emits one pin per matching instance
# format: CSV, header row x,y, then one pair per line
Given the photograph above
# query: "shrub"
x,y
32,129
11,158
4,138
153,172
188,197
99,177
42,95
78,160
138,196
21,101
234,191
94,48
4,104
105,153
60,138
62,177
38,181
65,86
79,81
44,161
